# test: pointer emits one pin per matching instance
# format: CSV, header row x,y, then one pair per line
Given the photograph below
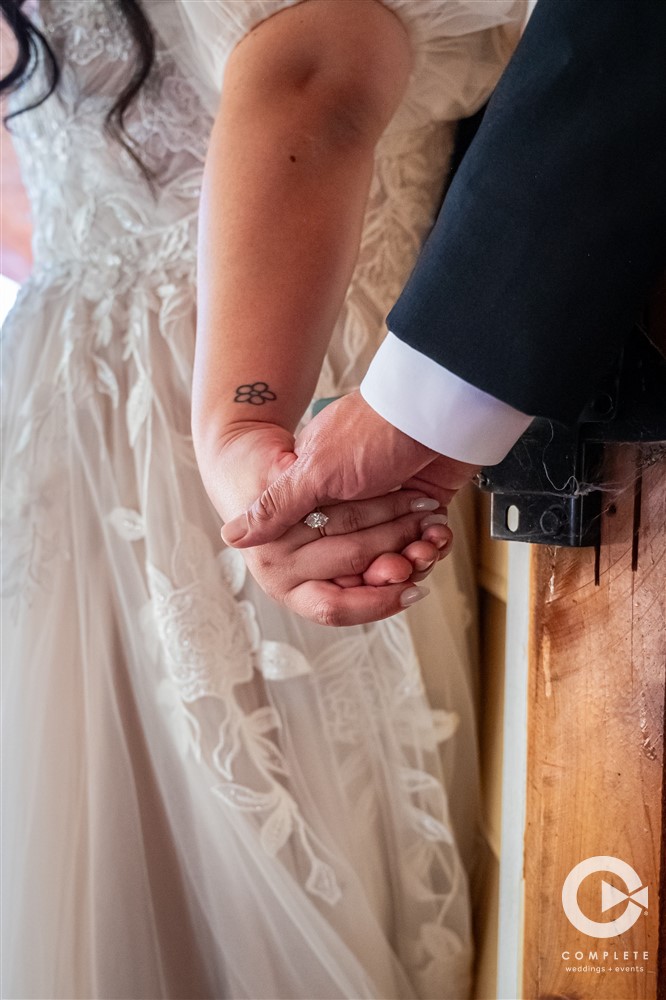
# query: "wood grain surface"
x,y
596,742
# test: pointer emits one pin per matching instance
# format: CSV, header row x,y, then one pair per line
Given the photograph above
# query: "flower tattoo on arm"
x,y
258,393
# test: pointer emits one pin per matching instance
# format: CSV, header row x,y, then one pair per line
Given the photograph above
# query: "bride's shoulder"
x,y
459,47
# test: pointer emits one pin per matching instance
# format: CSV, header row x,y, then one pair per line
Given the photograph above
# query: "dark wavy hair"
x,y
31,41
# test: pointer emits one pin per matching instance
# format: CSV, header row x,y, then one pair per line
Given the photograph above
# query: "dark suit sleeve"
x,y
554,226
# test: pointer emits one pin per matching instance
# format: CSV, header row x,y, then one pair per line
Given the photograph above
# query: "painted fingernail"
x,y
424,503
434,519
423,564
412,595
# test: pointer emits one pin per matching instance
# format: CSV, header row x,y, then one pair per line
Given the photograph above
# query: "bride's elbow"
x,y
341,67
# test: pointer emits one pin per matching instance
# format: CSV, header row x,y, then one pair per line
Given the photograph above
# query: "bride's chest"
x,y
98,56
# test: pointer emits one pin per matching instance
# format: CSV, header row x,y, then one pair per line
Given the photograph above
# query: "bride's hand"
x,y
356,572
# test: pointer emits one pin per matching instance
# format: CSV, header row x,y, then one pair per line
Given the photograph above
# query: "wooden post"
x,y
596,747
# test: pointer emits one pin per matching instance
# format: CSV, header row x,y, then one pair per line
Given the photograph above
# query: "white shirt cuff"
x,y
439,409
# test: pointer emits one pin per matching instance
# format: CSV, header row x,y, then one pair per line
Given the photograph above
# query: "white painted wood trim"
x,y
514,775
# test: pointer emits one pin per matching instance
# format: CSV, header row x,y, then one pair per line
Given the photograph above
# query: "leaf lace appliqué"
x,y
212,650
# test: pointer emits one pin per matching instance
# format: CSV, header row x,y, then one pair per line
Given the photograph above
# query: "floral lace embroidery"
x,y
397,692
129,264
97,214
211,646
87,31
36,485
405,193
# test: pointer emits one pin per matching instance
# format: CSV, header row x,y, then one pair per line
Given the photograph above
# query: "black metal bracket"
x,y
548,490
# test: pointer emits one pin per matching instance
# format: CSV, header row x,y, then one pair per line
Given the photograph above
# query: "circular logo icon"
x,y
636,897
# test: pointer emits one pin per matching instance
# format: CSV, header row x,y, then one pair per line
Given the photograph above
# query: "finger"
x,y
389,567
439,537
348,555
441,478
283,504
422,554
423,557
420,558
438,534
435,530
266,521
414,563
422,484
324,603
348,581
351,516
345,518
445,549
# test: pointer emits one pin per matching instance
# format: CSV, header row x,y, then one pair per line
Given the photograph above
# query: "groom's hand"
x,y
348,452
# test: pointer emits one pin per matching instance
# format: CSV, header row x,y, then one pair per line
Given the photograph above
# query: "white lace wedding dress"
x,y
201,795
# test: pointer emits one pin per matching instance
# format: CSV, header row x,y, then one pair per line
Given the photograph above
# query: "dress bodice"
x,y
203,786
92,205
100,222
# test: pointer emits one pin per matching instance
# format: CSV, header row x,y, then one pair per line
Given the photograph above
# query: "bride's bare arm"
x,y
306,96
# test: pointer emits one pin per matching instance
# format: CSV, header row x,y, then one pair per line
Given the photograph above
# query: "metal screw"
x,y
551,520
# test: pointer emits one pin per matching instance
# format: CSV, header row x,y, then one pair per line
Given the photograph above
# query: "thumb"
x,y
282,504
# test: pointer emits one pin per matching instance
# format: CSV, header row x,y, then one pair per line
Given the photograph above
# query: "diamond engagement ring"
x,y
317,519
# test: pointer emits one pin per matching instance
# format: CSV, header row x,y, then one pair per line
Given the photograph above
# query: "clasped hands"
x,y
385,496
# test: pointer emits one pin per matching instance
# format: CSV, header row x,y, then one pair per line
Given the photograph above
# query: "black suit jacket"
x,y
555,223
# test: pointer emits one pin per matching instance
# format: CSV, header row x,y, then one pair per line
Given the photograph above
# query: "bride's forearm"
x,y
306,97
